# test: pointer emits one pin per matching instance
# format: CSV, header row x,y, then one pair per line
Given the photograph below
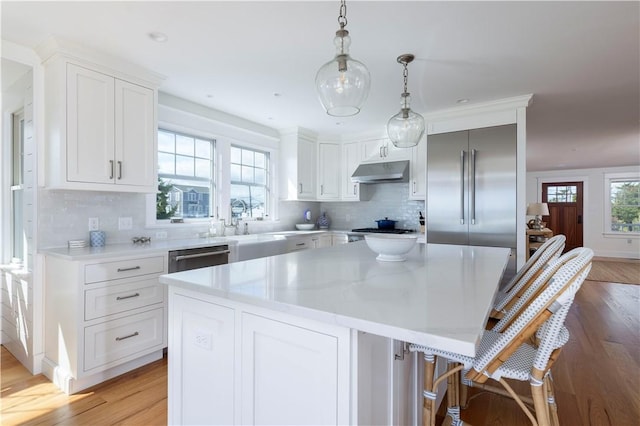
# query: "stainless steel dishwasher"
x,y
201,257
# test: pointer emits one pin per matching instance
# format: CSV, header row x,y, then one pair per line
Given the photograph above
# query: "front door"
x,y
565,211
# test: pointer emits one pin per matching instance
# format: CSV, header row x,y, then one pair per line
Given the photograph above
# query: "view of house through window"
x,y
185,173
562,194
249,182
625,205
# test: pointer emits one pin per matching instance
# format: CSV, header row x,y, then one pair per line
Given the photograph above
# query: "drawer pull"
x,y
128,269
127,297
301,244
209,253
127,337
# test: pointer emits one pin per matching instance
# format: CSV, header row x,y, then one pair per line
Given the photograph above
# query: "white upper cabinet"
x,y
418,171
328,171
101,128
350,160
382,150
297,166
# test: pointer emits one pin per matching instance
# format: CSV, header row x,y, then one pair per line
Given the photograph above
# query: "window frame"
x,y
610,178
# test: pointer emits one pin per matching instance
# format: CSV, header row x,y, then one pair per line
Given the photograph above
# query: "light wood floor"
x,y
597,378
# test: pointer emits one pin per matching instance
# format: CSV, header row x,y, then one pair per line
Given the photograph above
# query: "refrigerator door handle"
x,y
473,187
462,187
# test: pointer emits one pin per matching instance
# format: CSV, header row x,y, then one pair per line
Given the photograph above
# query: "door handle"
x,y
473,187
119,170
193,256
462,187
579,219
111,167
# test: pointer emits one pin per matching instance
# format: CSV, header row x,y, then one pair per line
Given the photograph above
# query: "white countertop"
x,y
439,297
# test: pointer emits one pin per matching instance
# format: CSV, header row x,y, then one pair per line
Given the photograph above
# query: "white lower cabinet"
x,y
102,318
234,363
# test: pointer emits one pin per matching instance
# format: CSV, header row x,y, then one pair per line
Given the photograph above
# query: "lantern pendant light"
x,y
406,127
343,83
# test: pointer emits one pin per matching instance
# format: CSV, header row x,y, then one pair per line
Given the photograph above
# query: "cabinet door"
x,y
201,362
350,160
90,126
325,240
329,171
306,169
418,167
373,151
135,134
289,374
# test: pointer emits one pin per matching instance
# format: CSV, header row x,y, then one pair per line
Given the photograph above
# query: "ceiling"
x,y
257,60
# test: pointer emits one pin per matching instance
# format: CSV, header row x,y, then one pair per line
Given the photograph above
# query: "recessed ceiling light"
x,y
277,95
158,36
462,101
269,118
338,123
209,95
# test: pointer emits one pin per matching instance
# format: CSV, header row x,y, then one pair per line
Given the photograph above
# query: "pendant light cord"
x,y
405,74
342,19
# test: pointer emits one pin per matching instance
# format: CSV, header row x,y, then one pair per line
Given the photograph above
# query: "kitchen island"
x,y
283,339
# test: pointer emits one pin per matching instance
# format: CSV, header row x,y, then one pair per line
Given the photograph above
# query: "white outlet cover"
x,y
125,223
94,224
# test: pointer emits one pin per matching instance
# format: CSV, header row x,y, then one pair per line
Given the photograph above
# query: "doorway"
x,y
565,201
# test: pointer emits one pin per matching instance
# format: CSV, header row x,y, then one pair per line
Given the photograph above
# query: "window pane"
x,y
236,155
193,200
166,142
166,163
203,168
247,174
184,165
203,149
235,173
625,206
184,145
260,160
18,225
261,177
247,157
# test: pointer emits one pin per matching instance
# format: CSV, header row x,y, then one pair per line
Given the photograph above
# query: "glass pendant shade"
x,y
343,83
405,129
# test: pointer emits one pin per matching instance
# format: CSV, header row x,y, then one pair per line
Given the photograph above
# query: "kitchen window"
x,y
622,204
249,179
185,174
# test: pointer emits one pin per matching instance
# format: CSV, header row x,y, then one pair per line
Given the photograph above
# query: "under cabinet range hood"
x,y
393,171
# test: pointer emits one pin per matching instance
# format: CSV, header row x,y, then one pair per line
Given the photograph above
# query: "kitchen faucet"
x,y
246,228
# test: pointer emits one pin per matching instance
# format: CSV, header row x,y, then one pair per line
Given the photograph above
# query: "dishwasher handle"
x,y
193,256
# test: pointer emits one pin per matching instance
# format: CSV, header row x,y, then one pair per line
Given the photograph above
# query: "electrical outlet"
x,y
125,223
203,339
161,235
94,224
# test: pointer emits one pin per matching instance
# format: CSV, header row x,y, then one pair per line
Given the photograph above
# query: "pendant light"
x,y
406,127
343,83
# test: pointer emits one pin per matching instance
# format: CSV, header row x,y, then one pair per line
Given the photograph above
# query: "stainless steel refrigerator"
x,y
471,188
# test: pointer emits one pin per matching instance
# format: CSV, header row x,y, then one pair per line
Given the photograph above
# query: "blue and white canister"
x,y
97,238
323,221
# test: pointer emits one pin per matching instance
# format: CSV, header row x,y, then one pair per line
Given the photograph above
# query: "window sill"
x,y
621,235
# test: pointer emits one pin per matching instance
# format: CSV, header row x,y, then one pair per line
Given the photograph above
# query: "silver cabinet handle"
x,y
355,189
386,151
380,151
128,297
462,187
119,170
473,186
127,336
300,244
321,189
300,184
134,268
193,256
111,167
414,186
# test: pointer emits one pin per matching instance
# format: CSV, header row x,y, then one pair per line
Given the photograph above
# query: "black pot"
x,y
386,223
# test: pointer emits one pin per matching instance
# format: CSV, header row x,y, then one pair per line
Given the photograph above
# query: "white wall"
x,y
594,208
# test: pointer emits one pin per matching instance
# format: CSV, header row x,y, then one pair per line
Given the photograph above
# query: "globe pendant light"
x,y
343,83
406,127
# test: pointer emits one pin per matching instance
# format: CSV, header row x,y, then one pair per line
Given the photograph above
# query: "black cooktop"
x,y
384,231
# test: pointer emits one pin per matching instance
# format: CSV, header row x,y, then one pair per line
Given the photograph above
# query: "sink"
x,y
254,246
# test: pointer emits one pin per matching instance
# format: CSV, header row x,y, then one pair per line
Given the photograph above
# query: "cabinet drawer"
x,y
123,269
111,341
295,244
100,302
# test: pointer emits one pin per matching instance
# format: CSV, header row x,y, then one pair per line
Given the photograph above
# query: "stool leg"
x,y
428,395
453,395
551,401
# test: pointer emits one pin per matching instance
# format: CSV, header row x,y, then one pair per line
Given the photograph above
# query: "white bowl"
x,y
391,247
305,226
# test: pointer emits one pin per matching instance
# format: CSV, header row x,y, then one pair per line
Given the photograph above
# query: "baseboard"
x,y
68,384
618,254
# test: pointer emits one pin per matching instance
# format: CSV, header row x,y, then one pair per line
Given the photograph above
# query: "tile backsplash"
x,y
64,215
387,200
